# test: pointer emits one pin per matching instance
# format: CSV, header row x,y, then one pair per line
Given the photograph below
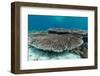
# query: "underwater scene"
x,y
52,37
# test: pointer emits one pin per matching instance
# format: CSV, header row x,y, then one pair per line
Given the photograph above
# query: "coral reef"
x,y
67,31
60,40
56,43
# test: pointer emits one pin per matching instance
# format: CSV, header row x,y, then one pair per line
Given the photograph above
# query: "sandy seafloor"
x,y
36,54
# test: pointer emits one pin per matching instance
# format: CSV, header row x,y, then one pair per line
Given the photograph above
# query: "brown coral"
x,y
56,43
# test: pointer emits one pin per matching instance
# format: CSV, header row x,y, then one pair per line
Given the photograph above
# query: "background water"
x,y
38,23
43,22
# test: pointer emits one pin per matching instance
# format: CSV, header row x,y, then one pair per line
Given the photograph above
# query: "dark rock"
x,y
64,31
58,31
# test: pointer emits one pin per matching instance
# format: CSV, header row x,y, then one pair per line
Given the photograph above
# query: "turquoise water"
x,y
43,22
38,23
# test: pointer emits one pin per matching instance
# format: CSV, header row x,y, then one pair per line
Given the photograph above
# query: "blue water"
x,y
44,22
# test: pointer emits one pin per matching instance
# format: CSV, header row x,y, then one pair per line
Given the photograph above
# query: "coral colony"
x,y
58,43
